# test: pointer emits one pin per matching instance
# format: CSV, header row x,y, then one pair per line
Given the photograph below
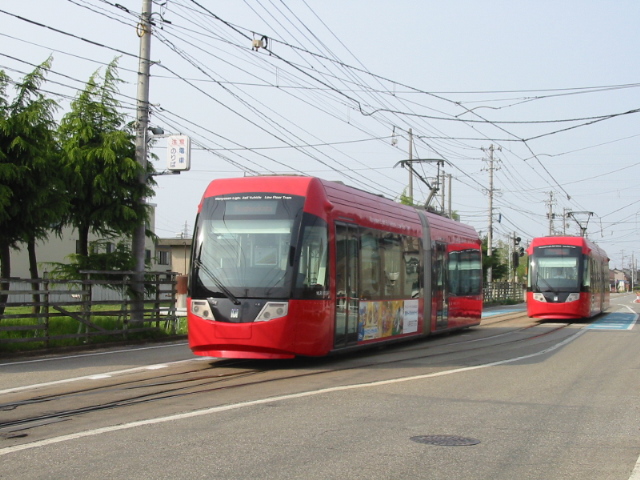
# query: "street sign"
x,y
178,152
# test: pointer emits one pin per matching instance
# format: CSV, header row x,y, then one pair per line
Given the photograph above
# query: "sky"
x,y
550,89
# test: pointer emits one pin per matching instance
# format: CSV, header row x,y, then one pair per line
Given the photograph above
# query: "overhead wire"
x,y
367,102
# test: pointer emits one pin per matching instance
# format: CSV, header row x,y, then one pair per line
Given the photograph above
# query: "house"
x,y
618,281
57,249
174,254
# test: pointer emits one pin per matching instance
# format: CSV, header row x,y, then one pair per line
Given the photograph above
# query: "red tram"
x,y
568,278
292,265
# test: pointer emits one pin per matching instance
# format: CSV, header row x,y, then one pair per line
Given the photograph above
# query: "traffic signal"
x,y
517,252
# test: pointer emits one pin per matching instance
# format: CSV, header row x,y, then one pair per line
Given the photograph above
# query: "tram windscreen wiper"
x,y
550,288
217,282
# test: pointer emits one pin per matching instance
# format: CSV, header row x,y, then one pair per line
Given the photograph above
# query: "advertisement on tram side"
x,y
381,319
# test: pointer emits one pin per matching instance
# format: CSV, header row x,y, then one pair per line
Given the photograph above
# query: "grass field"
x,y
29,333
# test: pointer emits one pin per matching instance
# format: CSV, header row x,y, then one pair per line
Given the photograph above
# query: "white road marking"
x,y
635,475
102,375
93,354
235,406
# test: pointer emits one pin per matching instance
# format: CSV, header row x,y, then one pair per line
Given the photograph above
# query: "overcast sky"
x,y
554,86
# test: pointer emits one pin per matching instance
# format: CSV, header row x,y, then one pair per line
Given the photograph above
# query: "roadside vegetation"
x,y
23,340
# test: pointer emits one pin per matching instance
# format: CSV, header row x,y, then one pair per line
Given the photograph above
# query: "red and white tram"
x,y
292,265
568,278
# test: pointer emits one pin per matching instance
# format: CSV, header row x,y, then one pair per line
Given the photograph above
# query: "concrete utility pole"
x,y
142,124
410,169
449,200
551,215
491,149
441,184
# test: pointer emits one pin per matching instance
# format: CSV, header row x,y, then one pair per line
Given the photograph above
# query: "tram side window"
x,y
312,280
465,273
412,266
391,246
586,277
370,266
389,265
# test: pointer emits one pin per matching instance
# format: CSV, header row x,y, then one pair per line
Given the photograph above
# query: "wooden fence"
x,y
98,294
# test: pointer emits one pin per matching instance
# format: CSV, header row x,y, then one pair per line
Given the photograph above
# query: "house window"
x,y
163,257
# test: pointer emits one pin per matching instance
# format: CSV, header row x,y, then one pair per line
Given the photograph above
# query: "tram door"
x,y
439,283
346,331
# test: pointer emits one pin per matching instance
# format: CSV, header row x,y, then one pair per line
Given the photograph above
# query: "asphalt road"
x,y
511,399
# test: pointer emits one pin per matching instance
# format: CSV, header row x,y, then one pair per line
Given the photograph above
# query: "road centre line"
x,y
235,406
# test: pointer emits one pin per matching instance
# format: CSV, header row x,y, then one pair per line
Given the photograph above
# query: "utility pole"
x,y
551,215
142,124
410,169
449,201
442,192
491,149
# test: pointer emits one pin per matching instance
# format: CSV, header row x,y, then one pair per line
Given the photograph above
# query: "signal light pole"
x,y
516,254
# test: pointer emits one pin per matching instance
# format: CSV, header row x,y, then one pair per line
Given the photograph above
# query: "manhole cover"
x,y
445,440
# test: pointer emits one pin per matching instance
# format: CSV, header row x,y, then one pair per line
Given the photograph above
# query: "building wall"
x,y
56,249
178,251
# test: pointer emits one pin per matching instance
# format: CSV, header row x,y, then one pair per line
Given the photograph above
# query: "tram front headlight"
x,y
573,297
201,309
539,297
272,310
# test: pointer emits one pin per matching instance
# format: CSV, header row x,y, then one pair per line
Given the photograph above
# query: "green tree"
x,y
406,199
102,174
30,191
7,171
499,269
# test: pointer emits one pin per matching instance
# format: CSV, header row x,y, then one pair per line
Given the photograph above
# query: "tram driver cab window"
x,y
312,276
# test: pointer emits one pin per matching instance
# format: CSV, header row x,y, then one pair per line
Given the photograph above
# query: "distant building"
x,y
618,281
174,254
57,249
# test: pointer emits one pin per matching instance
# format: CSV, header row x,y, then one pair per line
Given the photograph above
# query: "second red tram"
x,y
568,278
292,265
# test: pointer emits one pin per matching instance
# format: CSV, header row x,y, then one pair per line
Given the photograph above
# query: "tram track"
x,y
48,408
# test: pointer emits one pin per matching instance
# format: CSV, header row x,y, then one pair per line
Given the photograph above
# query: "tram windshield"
x,y
245,246
555,269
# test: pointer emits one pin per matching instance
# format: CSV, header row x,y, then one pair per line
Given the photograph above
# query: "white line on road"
x,y
224,408
102,375
92,354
